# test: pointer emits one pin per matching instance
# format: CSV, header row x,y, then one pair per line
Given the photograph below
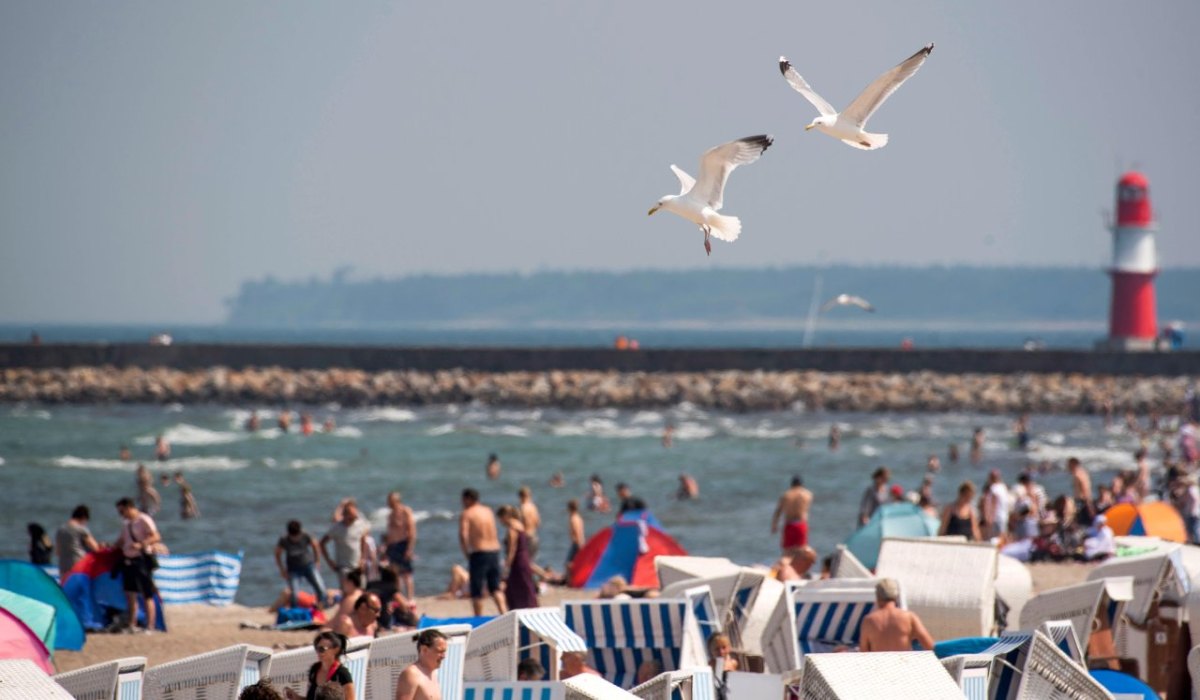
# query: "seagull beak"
x,y
652,210
809,127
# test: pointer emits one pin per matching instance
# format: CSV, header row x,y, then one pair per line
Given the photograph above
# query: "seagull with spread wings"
x,y
847,300
849,125
699,200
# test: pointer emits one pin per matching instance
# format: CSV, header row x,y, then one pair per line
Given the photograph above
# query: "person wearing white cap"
x,y
1100,542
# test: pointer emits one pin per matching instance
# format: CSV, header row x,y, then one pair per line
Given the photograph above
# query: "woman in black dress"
x,y
960,518
520,589
330,647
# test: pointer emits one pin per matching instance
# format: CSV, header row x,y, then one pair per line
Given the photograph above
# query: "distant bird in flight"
x,y
699,201
850,125
847,300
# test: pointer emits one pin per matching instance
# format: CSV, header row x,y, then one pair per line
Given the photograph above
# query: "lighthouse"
x,y
1132,323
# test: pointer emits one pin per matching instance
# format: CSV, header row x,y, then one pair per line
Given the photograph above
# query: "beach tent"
x,y
1156,519
29,580
626,548
17,641
94,591
889,520
36,615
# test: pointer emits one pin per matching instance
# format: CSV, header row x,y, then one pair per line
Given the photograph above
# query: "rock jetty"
x,y
739,391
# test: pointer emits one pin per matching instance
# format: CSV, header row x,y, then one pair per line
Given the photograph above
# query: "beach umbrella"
x,y
889,520
1153,519
29,580
17,641
626,548
36,615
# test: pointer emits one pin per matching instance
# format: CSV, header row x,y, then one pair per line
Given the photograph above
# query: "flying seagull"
x,y
850,124
699,201
847,300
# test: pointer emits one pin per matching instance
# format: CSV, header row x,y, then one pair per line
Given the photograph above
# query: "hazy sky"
x,y
155,155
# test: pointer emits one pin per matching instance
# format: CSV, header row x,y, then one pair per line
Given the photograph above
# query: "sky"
x,y
153,156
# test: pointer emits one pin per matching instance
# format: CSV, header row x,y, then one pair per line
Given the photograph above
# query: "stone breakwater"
x,y
725,390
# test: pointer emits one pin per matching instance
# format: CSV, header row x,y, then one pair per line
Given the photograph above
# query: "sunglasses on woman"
x,y
322,648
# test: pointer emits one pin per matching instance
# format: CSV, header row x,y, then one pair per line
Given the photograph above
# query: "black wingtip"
x,y
928,49
784,64
763,141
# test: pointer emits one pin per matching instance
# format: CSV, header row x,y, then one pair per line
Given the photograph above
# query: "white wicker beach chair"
x,y
950,585
689,684
741,685
21,679
1089,605
846,565
1014,586
391,654
289,669
1011,653
816,617
895,674
585,686
511,690
971,672
1049,674
1193,662
216,675
113,680
672,569
621,634
757,618
1157,576
495,648
733,595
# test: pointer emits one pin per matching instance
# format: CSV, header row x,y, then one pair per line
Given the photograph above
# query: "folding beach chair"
x,y
950,585
216,675
391,654
846,565
512,690
113,680
896,675
585,686
289,669
689,684
673,569
621,634
496,647
21,679
1090,606
816,617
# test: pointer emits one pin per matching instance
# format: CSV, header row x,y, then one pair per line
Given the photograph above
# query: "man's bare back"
x,y
1081,483
415,684
576,527
890,628
794,504
478,529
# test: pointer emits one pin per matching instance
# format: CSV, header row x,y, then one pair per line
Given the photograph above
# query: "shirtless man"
x,y
531,519
493,467
162,448
364,621
479,542
575,531
888,627
1081,489
574,663
417,682
148,499
401,540
793,506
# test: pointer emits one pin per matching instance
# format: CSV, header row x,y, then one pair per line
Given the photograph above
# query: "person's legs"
x,y
314,579
493,582
293,581
477,570
131,608
151,609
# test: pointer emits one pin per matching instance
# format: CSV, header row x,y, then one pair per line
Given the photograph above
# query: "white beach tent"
x,y
950,585
496,647
389,655
120,679
816,616
621,634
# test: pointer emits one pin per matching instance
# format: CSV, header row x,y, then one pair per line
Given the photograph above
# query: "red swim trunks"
x,y
795,534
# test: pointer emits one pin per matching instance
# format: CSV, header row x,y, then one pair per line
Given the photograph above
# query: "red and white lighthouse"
x,y
1132,322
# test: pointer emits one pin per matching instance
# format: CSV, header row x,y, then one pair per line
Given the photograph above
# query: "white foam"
x,y
269,461
868,451
310,463
347,431
443,429
22,412
601,427
689,430
505,430
85,463
384,414
643,417
1093,458
1,461
214,463
1049,439
185,434
379,517
173,408
533,414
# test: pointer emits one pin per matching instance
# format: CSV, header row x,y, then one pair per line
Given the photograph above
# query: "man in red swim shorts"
x,y
793,508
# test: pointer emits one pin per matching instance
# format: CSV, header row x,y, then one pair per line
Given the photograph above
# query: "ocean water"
x,y
249,485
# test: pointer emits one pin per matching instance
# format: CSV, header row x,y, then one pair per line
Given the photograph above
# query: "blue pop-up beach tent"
x,y
889,520
30,581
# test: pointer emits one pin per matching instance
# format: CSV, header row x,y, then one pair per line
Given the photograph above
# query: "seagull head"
x,y
821,121
661,203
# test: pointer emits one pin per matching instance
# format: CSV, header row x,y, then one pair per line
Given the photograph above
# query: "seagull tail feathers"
x,y
869,142
725,228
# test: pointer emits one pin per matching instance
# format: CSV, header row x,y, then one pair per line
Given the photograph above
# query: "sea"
x,y
249,484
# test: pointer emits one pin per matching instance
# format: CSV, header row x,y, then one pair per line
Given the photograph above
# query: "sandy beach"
x,y
195,629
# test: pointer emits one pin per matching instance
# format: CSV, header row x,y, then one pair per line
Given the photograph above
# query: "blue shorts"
x,y
396,554
484,567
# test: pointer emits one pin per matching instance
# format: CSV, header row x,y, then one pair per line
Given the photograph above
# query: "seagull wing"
x,y
859,302
719,161
801,86
686,182
847,300
829,305
863,106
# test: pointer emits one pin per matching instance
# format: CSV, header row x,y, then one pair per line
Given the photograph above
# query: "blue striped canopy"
x,y
622,634
205,577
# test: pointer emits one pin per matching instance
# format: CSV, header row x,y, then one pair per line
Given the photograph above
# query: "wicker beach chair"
x,y
950,585
289,669
495,648
689,684
511,690
971,672
21,679
1010,655
1193,662
621,634
113,680
1014,586
733,595
585,686
672,569
895,675
816,617
759,615
1091,605
390,655
216,675
1157,577
1049,674
846,565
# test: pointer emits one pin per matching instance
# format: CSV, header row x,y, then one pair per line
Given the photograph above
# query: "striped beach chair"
x,y
950,585
845,565
1011,653
896,675
733,597
120,679
21,679
289,669
1089,606
689,684
204,577
496,647
513,690
216,675
390,655
816,617
588,687
621,634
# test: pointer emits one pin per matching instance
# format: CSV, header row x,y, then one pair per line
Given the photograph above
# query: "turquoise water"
x,y
249,485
